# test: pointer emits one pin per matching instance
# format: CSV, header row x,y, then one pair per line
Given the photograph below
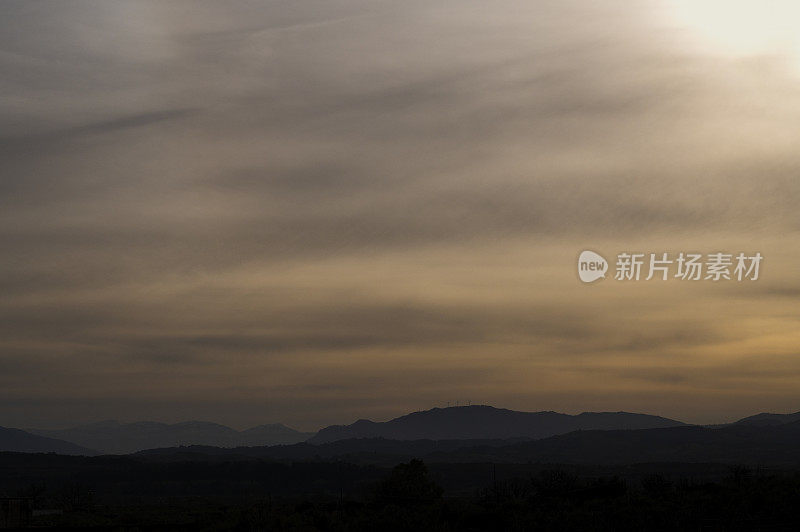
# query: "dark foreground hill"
x,y
138,492
486,422
20,441
738,477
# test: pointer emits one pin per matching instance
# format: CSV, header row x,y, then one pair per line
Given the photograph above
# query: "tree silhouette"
x,y
409,483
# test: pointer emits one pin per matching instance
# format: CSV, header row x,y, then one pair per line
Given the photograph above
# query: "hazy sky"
x,y
316,211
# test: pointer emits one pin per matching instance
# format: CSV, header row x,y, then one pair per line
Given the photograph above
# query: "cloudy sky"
x,y
314,211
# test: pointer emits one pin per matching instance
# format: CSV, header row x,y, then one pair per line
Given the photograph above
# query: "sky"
x,y
315,211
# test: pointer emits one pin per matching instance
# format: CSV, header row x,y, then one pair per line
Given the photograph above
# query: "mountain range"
x,y
478,425
744,444
487,422
112,437
15,440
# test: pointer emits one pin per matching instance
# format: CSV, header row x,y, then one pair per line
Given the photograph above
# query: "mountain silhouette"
x,y
487,422
16,440
492,427
774,445
271,434
733,444
112,437
765,419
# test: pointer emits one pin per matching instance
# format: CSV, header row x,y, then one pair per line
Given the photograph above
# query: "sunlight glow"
x,y
742,27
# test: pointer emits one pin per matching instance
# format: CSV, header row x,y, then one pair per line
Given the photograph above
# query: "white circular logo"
x,y
591,267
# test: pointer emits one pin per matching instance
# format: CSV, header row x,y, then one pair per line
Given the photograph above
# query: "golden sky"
x,y
318,211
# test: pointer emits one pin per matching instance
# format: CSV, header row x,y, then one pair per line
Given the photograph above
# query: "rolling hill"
x,y
487,422
112,437
16,440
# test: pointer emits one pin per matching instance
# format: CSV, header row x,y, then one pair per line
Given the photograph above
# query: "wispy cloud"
x,y
268,199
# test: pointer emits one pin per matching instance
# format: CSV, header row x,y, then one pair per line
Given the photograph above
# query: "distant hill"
x,y
764,419
16,440
361,450
112,437
272,434
777,445
733,444
486,422
494,427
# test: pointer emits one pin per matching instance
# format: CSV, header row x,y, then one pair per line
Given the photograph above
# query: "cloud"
x,y
187,187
